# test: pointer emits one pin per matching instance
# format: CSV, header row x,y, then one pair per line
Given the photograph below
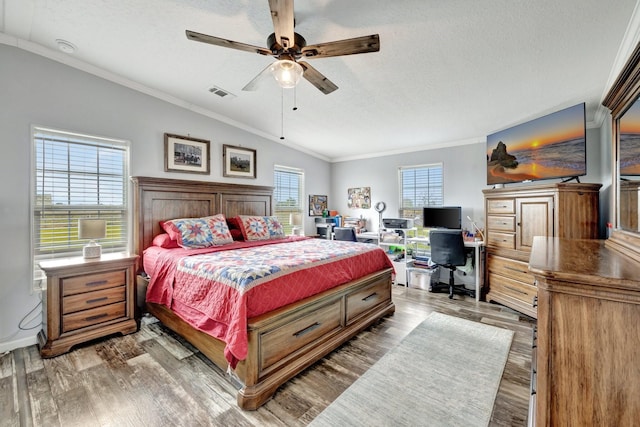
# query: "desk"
x,y
478,248
367,236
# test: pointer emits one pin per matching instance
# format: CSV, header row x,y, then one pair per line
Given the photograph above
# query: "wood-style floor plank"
x,y
154,378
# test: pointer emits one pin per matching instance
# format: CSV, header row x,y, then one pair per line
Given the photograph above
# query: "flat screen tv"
x,y
442,217
553,146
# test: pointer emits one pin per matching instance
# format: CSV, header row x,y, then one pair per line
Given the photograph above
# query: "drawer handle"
x,y
515,290
96,283
96,317
367,298
517,270
91,301
308,329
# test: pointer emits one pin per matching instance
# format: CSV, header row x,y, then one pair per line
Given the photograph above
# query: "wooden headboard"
x,y
160,199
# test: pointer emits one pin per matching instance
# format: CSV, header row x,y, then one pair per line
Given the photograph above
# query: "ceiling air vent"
x,y
221,92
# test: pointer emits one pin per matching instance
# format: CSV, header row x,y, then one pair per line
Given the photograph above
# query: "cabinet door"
x,y
534,217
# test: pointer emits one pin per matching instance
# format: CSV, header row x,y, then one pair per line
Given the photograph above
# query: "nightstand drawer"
x,y
94,299
93,282
94,316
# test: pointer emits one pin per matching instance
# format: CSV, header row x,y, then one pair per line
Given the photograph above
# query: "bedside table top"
x,y
80,261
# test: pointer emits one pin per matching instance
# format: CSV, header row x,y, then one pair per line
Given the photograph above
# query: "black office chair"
x,y
447,250
345,233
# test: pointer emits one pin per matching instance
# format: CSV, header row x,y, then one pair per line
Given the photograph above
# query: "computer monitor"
x,y
442,217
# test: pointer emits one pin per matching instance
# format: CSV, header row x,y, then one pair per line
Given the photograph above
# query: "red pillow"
x,y
165,241
234,223
236,234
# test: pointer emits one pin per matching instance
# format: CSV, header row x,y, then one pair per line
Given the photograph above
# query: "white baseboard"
x,y
22,342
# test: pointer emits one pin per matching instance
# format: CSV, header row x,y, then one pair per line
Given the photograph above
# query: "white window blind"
x,y
77,176
288,194
420,186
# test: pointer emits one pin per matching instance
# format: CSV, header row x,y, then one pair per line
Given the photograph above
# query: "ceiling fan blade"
x,y
283,21
316,78
204,38
255,82
343,47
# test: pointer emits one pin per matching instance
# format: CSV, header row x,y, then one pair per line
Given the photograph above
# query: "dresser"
x,y
585,368
514,216
86,299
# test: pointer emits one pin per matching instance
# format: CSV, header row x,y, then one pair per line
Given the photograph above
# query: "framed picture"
x,y
186,154
238,162
359,197
317,204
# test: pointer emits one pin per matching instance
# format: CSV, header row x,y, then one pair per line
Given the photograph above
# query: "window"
x,y
420,186
288,194
77,176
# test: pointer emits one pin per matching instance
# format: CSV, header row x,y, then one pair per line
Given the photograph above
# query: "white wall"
x,y
37,91
463,167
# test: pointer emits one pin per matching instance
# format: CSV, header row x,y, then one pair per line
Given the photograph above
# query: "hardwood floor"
x,y
153,378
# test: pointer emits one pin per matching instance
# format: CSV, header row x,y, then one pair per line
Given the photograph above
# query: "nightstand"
x,y
87,299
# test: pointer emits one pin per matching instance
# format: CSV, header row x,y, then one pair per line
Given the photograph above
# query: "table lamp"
x,y
295,219
92,229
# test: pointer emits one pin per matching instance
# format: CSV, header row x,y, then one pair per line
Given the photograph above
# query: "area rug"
x,y
446,372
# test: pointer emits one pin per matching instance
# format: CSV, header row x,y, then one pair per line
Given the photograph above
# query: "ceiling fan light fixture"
x,y
287,73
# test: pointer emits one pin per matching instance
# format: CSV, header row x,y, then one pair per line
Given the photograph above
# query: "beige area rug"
x,y
446,372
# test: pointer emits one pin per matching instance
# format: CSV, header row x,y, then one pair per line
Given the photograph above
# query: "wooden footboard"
x,y
284,342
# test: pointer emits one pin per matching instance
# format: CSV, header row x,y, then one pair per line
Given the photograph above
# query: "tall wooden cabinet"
x,y
514,216
585,363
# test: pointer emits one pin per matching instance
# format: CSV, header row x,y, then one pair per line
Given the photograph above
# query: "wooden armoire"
x,y
514,216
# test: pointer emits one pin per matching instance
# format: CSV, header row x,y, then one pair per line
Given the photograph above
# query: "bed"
x,y
284,340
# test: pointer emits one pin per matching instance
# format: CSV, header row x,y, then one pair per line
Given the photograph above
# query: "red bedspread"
x,y
217,289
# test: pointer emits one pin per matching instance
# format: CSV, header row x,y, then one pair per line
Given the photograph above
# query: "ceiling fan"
x,y
288,47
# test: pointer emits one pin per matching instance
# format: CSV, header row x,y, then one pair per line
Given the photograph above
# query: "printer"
x,y
402,223
325,225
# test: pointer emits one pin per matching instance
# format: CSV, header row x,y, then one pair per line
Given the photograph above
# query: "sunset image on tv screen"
x,y
553,146
630,141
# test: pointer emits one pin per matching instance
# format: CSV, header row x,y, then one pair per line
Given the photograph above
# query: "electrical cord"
x,y
23,324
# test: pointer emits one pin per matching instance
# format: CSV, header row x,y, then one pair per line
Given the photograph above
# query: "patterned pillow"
x,y
260,227
275,228
199,232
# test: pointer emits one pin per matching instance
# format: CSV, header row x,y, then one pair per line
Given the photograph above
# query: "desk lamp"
x,y
92,229
475,226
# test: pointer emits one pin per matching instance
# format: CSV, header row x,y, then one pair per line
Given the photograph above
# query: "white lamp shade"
x,y
295,219
287,73
92,228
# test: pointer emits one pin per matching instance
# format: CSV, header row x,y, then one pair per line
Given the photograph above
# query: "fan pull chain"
x,y
295,98
282,113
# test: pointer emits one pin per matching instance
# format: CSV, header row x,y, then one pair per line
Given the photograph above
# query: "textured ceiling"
x,y
448,72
